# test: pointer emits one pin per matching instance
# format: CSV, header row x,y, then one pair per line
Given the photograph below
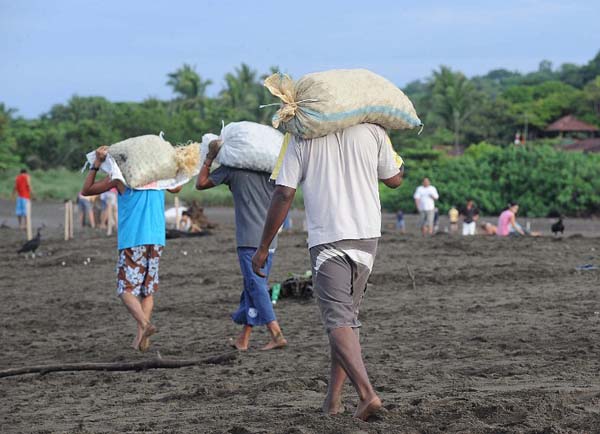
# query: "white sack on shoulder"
x,y
249,145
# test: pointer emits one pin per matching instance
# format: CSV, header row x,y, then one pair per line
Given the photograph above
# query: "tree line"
x,y
457,112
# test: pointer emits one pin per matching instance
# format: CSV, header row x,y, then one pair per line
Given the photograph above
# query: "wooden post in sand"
x,y
177,215
110,223
28,219
68,220
67,232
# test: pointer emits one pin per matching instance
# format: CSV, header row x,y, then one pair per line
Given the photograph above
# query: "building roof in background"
x,y
585,145
570,123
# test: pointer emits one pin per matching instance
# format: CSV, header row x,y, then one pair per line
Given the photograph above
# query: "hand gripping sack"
x,y
206,139
325,102
248,145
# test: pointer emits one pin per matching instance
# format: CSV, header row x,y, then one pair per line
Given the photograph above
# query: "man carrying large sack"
x,y
140,241
339,176
252,192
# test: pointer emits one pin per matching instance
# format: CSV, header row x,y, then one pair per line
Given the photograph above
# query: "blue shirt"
x,y
141,218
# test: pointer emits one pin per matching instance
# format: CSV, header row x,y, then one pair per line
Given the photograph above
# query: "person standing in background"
x,y
470,216
22,191
425,197
400,221
453,217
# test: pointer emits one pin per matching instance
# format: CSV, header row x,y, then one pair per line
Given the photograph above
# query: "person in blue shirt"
x,y
140,239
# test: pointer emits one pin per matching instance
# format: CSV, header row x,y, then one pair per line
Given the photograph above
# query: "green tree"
x,y
187,83
454,99
8,154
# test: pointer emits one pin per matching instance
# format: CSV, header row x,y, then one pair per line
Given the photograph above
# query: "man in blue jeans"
x,y
252,193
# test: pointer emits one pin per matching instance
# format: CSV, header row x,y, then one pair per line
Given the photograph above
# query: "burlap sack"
x,y
148,159
324,102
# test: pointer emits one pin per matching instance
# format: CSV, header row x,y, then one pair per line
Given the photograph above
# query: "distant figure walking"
x,y
400,221
425,197
507,223
86,210
22,191
470,216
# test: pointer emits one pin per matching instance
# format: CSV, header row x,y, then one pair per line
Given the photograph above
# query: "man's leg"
x,y
339,285
277,339
344,343
337,377
243,340
91,217
134,306
147,306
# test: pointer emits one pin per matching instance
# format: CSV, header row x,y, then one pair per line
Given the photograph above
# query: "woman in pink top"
x,y
507,220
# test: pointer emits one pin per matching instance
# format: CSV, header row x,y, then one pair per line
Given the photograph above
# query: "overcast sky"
x,y
124,49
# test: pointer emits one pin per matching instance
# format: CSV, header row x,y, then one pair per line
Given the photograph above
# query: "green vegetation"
x,y
61,184
457,111
543,180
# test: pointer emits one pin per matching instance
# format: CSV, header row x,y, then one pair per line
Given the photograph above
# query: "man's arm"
x,y
280,205
513,223
203,182
90,186
29,185
396,180
435,195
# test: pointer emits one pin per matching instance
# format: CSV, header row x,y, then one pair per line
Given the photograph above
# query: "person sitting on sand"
x,y
488,228
338,173
252,193
187,224
507,222
140,239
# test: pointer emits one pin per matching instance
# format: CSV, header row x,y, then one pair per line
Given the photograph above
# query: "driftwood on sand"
x,y
156,363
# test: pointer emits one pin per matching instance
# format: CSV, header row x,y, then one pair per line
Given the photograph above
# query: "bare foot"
x,y
367,408
238,345
332,408
136,342
144,344
144,341
277,342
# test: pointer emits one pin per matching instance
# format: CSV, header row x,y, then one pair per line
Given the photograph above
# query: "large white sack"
x,y
325,102
150,162
248,145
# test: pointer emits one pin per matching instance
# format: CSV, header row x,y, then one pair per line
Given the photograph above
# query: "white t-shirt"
x,y
426,196
339,176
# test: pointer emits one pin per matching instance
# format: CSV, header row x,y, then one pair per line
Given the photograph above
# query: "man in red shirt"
x,y
23,192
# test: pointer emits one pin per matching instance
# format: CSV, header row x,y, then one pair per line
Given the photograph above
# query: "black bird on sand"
x,y
32,245
558,226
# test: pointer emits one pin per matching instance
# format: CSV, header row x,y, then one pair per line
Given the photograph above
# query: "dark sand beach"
x,y
496,336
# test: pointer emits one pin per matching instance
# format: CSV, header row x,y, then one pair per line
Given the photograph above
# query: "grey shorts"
x,y
340,272
426,218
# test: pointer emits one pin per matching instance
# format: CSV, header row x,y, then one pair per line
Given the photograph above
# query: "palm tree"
x,y
240,92
454,99
189,87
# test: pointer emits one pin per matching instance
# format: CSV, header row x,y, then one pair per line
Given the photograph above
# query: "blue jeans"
x,y
255,304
